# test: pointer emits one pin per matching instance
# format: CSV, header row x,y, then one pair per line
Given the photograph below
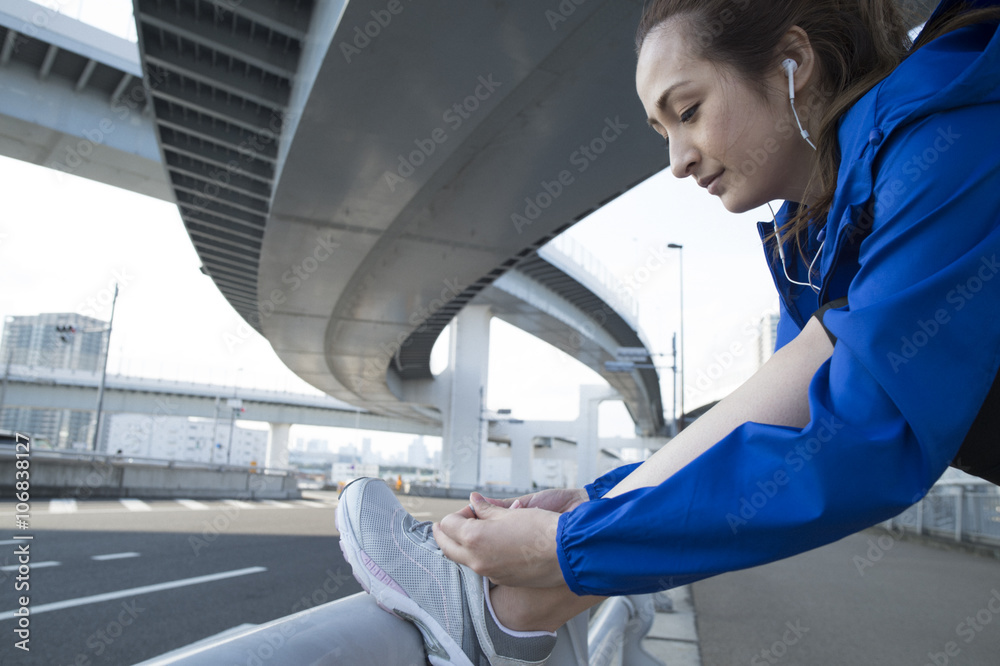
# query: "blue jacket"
x,y
913,243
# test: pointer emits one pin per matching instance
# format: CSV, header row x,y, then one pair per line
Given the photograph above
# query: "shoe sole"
x,y
442,650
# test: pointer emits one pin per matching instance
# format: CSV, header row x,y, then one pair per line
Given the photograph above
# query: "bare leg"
x,y
538,608
777,394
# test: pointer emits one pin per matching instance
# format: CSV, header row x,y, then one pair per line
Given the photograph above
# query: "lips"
x,y
707,182
711,183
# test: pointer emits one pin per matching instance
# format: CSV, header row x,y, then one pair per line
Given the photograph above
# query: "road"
x,y
173,572
162,567
868,599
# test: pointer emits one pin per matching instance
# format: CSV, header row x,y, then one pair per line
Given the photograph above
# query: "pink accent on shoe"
x,y
379,574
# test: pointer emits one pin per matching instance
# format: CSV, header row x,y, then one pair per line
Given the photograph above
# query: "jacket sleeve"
x,y
603,484
916,353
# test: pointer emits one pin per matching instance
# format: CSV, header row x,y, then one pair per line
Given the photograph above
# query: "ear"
x,y
795,44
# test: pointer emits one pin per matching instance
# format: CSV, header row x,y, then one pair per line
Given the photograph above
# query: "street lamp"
x,y
66,333
104,374
680,253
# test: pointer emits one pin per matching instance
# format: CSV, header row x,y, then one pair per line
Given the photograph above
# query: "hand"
x,y
509,546
559,500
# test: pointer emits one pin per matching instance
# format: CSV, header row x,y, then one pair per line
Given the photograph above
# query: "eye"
x,y
687,115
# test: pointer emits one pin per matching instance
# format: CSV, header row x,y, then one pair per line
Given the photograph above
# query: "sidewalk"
x,y
673,639
870,598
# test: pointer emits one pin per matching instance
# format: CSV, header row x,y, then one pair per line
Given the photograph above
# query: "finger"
x,y
467,512
482,508
453,524
505,503
451,549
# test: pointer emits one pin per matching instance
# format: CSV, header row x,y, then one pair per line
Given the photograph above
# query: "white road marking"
x,y
135,505
33,565
313,504
114,556
135,591
191,504
62,506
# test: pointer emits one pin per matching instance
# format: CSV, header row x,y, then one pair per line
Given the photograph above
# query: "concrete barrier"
x,y
422,490
97,476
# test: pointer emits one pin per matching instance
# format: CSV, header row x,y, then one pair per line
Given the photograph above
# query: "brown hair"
x,y
857,44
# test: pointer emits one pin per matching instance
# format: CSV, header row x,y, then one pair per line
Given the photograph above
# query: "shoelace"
x,y
424,529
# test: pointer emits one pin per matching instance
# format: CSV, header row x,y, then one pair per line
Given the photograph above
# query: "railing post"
x,y
959,510
616,632
636,630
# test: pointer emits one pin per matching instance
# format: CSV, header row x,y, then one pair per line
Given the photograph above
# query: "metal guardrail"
x,y
960,512
345,631
122,459
616,632
88,475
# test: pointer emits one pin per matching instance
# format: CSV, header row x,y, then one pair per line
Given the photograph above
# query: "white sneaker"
x,y
396,559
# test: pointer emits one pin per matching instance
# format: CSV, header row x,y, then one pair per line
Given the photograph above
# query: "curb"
x,y
934,541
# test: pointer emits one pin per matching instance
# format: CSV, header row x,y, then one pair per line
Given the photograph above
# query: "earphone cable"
x,y
781,256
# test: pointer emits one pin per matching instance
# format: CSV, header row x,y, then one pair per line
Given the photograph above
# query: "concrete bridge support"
x,y
522,457
277,446
463,427
588,445
594,455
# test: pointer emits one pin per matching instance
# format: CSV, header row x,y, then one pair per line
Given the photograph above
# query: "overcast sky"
x,y
64,242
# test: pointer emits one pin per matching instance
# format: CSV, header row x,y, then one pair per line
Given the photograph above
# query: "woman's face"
x,y
744,148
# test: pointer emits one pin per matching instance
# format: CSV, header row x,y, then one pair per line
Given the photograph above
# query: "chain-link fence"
x,y
965,513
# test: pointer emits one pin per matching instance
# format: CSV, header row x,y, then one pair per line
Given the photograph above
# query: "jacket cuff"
x,y
564,564
603,484
819,314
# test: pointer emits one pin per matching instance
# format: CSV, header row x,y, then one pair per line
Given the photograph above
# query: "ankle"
x,y
518,610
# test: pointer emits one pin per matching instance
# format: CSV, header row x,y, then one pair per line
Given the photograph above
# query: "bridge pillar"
x,y
277,445
588,446
522,455
464,430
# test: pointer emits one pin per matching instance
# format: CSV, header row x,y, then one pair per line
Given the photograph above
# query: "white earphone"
x,y
790,67
781,256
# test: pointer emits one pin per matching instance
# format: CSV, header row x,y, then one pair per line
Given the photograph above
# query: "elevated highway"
x,y
32,387
72,98
351,184
368,182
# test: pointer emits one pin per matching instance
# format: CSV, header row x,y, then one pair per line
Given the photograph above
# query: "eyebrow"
x,y
661,101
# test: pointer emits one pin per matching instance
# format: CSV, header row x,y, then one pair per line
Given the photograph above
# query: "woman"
x,y
889,343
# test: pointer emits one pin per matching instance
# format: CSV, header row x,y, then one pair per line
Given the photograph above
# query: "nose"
x,y
683,157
